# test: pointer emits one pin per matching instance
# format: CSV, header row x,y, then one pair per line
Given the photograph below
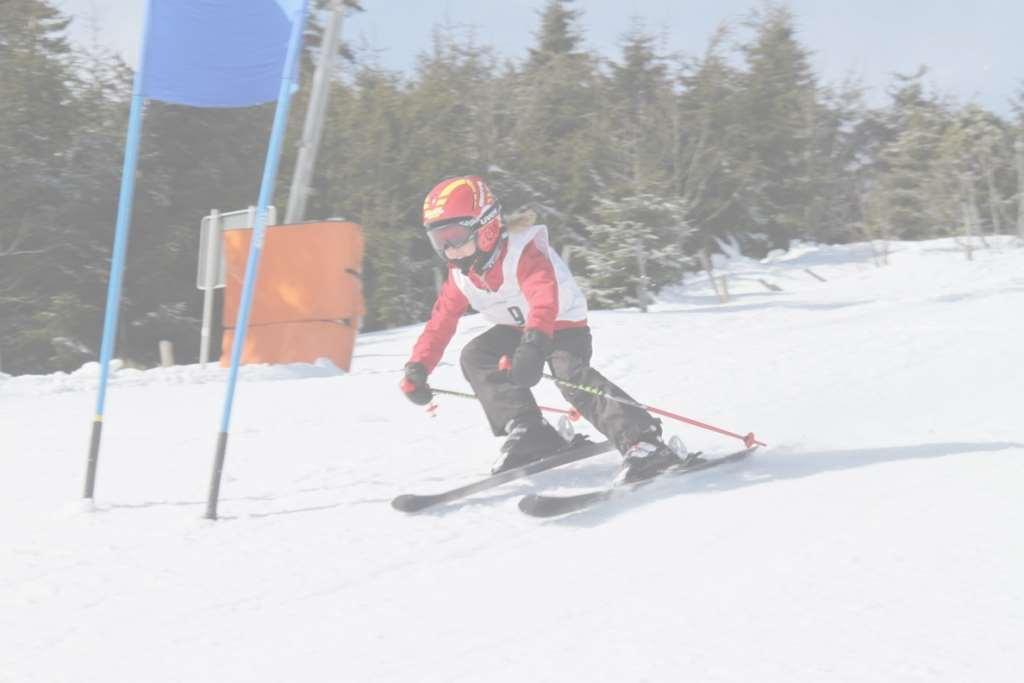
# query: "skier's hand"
x,y
414,384
528,361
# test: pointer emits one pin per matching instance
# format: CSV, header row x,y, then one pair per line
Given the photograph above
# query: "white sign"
x,y
212,272
213,264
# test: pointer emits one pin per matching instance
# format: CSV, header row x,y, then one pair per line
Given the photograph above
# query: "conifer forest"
x,y
640,159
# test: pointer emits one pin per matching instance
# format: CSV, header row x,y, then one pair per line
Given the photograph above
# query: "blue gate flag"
x,y
217,53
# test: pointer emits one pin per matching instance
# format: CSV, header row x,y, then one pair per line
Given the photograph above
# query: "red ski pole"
x,y
749,440
571,413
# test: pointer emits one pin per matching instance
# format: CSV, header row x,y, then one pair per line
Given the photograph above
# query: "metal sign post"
x,y
213,254
212,272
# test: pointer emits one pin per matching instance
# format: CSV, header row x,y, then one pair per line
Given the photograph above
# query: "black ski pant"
x,y
569,360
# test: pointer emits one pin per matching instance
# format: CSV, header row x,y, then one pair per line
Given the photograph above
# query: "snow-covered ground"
x,y
880,537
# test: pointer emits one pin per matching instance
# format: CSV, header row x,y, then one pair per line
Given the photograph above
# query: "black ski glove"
x,y
528,361
414,384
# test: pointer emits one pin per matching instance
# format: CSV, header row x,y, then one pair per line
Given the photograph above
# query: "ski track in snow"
x,y
876,538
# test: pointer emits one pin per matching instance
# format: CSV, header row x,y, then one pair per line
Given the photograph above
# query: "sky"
x,y
972,47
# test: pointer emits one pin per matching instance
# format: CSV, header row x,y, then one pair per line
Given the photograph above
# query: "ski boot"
x,y
645,460
530,438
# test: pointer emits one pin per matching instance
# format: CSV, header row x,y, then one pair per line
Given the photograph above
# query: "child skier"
x,y
513,278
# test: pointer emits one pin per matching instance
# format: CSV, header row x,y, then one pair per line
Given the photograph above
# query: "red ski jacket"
x,y
528,286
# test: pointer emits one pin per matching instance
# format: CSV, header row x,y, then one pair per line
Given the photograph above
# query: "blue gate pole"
x,y
256,250
124,219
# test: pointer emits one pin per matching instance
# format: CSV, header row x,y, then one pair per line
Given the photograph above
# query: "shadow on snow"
x,y
768,466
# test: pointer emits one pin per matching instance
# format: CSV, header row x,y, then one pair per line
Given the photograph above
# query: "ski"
x,y
578,449
540,505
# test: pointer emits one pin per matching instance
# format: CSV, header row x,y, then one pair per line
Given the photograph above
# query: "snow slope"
x,y
877,539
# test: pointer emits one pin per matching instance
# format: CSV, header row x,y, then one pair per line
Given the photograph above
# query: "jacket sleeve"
x,y
444,319
539,284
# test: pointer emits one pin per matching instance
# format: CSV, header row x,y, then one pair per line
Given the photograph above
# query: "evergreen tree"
x,y
452,105
191,161
903,192
836,166
36,121
369,153
990,145
557,146
973,153
708,160
640,110
636,229
1017,104
558,33
780,107
69,325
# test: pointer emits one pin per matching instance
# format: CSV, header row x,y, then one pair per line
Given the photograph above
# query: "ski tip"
x,y
538,505
408,502
528,504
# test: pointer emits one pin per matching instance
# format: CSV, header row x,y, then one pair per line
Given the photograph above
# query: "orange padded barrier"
x,y
308,297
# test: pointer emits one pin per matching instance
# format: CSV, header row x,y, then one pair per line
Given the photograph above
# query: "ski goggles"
x,y
450,235
455,233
